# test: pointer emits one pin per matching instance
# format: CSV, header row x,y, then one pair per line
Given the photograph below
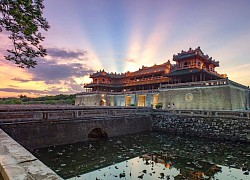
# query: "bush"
x,y
158,106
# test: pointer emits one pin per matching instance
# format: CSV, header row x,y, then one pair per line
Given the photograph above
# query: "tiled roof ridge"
x,y
196,51
111,74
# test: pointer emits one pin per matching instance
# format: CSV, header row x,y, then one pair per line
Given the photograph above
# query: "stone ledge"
x,y
18,163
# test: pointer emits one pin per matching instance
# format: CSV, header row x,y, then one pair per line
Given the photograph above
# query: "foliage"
x,y
11,101
57,99
132,104
23,19
158,106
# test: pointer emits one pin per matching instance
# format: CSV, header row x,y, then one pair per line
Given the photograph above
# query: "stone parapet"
x,y
205,113
18,163
25,113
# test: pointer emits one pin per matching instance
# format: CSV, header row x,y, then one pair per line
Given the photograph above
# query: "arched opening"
x,y
103,102
97,133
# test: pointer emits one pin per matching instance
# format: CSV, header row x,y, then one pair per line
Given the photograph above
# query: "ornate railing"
x,y
119,93
143,81
197,84
22,113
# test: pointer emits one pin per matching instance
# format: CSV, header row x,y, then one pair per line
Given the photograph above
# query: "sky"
x,y
122,35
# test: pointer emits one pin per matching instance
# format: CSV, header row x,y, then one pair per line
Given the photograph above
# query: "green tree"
x,y
23,19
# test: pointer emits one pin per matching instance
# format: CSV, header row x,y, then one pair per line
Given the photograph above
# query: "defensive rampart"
x,y
43,126
215,95
218,125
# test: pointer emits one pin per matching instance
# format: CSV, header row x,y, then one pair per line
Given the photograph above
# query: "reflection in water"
x,y
149,156
193,169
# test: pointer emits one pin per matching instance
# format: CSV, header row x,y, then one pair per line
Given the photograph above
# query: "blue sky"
x,y
123,35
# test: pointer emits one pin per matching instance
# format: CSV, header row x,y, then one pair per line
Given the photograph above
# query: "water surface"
x,y
149,156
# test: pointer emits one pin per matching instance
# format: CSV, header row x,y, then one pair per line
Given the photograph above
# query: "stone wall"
x,y
113,99
119,100
219,97
149,99
43,126
89,100
18,163
239,99
229,128
37,134
224,97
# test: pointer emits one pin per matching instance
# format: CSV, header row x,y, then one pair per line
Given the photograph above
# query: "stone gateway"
x,y
192,83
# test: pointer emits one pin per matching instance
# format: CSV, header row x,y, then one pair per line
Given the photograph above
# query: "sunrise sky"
x,y
123,35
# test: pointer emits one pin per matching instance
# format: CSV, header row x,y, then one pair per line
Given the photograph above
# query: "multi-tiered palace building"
x,y
191,83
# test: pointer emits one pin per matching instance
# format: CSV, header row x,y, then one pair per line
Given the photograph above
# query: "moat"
x,y
149,155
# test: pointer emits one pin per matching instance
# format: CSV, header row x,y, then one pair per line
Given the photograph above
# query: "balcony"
x,y
197,84
150,80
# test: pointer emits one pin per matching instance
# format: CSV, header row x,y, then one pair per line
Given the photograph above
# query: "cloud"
x,y
61,72
54,71
72,86
13,86
51,71
15,90
53,90
65,54
20,80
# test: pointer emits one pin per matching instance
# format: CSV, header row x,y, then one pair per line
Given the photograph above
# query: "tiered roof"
x,y
103,73
150,70
193,53
142,71
165,68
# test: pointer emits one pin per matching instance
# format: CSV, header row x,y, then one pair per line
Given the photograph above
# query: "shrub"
x,y
158,106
